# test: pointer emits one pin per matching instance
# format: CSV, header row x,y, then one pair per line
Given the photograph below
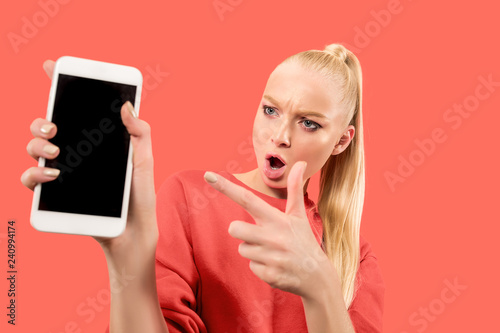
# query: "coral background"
x,y
434,224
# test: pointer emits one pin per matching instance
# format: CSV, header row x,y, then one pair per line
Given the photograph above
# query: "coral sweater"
x,y
204,285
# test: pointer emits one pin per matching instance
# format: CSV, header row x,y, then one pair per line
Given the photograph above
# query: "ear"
x,y
345,140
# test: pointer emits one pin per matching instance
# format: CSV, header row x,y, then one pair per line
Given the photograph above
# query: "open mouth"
x,y
276,163
275,166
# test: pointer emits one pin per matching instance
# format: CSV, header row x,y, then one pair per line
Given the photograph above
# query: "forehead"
x,y
296,87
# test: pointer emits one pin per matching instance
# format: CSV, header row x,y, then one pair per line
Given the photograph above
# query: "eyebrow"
x,y
301,113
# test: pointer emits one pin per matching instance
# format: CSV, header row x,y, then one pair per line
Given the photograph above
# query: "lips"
x,y
276,158
275,166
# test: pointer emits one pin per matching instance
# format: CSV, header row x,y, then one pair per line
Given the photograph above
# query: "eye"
x,y
310,125
268,110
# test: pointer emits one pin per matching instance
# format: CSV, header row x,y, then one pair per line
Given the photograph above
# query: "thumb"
x,y
140,133
142,190
295,189
129,117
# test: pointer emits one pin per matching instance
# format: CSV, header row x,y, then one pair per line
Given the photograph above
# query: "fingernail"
x,y
51,172
130,108
50,149
46,128
210,177
304,167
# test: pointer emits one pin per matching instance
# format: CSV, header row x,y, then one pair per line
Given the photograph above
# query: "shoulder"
x,y
181,181
191,180
365,249
178,195
176,187
366,309
369,279
369,270
184,176
188,187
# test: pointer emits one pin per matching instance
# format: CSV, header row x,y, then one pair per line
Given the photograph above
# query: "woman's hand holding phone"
x,y
132,253
141,233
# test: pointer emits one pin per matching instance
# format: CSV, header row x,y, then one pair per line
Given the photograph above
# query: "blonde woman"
x,y
251,252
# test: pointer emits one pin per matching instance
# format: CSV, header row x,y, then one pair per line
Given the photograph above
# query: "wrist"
x,y
325,284
136,253
132,269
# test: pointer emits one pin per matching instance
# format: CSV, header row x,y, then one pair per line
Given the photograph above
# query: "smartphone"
x,y
91,194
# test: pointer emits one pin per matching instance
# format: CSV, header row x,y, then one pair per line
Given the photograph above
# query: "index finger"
x,y
255,206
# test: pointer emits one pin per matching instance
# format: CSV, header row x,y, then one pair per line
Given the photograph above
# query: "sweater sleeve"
x,y
366,310
177,277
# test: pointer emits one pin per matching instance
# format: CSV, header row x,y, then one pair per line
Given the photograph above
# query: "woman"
x,y
251,252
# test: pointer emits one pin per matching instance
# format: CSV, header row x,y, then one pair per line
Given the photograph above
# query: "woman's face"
x,y
297,120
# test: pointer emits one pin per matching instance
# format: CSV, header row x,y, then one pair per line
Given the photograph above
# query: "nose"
x,y
281,137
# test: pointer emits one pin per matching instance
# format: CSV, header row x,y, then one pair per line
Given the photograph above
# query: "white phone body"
x,y
91,194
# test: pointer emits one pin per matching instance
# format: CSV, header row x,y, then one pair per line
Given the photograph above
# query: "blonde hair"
x,y
342,180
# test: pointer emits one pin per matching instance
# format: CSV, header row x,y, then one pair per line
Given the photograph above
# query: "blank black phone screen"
x,y
94,146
